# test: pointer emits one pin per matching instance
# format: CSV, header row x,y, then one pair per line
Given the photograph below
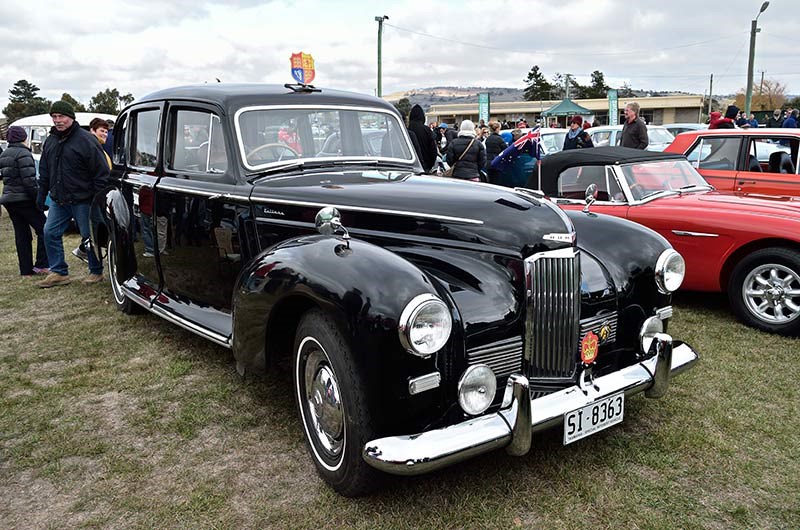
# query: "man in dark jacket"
x,y
72,170
19,197
776,120
634,131
425,137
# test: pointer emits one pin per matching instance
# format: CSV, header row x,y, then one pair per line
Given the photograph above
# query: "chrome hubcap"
x,y
772,293
324,403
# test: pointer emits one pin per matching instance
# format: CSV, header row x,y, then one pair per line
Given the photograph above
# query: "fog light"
x,y
476,389
650,328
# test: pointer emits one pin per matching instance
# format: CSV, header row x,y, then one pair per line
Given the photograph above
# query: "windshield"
x,y
659,136
270,136
650,178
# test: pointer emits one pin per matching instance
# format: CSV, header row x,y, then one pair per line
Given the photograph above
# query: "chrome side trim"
x,y
191,326
424,452
693,234
366,209
202,193
424,383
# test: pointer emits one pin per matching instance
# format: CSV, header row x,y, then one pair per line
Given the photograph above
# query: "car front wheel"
x,y
764,290
332,405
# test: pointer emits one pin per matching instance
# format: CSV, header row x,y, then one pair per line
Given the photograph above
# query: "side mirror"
x,y
591,196
328,221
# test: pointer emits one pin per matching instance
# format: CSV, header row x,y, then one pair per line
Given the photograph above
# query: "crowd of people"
x,y
734,117
73,168
479,151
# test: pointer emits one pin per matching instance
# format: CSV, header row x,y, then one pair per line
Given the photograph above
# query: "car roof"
x,y
238,95
552,165
738,132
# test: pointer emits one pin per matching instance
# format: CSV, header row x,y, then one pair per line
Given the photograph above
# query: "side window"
x,y
145,138
715,153
120,138
198,143
775,155
600,139
573,182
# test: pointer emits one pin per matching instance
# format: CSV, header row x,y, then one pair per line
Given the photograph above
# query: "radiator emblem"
x,y
589,348
605,332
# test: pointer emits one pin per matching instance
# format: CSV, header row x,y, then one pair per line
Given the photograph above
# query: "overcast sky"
x,y
82,47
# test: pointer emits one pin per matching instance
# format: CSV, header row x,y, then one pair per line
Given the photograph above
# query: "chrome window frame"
x,y
259,167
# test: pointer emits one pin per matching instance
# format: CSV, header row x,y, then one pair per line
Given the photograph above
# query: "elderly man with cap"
x,y
72,170
19,197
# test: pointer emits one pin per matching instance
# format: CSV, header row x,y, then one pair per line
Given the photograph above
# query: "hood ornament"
x,y
329,222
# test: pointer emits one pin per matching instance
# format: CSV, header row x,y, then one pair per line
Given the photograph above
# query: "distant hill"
x,y
425,97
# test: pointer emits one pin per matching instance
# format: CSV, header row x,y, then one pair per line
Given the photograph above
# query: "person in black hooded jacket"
x,y
19,197
425,137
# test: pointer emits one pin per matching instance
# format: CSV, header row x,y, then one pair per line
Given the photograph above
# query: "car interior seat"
x,y
780,162
752,164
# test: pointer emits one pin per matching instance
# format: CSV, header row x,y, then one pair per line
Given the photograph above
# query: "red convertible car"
x,y
747,160
745,246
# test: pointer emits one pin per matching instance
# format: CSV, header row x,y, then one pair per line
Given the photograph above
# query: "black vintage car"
x,y
426,320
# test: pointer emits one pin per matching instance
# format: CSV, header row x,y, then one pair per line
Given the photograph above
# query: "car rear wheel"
x,y
332,404
121,300
764,290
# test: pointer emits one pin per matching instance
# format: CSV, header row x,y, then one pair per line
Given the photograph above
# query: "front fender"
x,y
363,286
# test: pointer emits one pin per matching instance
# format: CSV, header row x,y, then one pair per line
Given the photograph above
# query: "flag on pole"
x,y
528,144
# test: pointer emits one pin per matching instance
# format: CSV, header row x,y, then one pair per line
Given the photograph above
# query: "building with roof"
x,y
655,110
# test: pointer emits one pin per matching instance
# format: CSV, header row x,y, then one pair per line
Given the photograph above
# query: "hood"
x,y
417,114
392,204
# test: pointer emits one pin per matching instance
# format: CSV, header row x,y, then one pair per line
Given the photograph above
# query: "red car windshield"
x,y
666,176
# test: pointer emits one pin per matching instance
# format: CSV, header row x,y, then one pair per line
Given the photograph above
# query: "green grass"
x,y
111,421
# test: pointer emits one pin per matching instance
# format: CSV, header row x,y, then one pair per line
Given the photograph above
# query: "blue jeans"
x,y
58,217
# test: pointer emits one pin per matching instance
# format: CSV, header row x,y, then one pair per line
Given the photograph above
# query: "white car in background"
x,y
552,138
611,135
677,128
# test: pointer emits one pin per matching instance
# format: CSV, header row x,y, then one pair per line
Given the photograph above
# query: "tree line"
x,y
537,87
24,100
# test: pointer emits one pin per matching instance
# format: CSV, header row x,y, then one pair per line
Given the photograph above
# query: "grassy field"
x,y
129,422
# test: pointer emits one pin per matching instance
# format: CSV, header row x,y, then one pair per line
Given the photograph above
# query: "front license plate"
x,y
590,419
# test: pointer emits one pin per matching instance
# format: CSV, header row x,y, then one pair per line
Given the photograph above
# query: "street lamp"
x,y
753,30
380,20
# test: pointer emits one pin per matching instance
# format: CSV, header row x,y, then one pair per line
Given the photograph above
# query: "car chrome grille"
x,y
553,309
504,357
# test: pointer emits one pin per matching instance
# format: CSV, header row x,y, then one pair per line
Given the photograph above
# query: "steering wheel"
x,y
274,147
636,190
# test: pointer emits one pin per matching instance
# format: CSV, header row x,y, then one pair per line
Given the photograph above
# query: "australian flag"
x,y
528,144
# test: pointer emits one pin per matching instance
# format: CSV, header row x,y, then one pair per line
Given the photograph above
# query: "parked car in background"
x,y
425,320
552,139
676,128
38,127
744,246
763,161
611,135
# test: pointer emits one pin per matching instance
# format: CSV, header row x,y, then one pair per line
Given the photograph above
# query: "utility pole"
x,y
566,85
761,87
753,30
380,20
710,97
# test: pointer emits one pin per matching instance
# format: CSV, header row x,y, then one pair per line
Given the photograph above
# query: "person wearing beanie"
x,y
72,170
577,137
19,197
634,130
494,146
466,154
425,137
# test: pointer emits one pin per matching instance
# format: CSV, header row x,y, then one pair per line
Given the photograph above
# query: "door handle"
x,y
746,182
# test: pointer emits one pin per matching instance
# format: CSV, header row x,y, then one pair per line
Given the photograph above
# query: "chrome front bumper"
x,y
514,424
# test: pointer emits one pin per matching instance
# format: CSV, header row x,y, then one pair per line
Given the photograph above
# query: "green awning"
x,y
567,107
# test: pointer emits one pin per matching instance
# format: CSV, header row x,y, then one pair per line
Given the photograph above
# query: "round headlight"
x,y
670,269
650,327
476,389
425,325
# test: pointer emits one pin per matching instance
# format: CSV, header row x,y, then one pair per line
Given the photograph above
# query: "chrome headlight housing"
x,y
650,328
476,389
425,325
670,270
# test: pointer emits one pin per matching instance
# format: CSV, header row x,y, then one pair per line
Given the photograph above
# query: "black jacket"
x,y
425,136
579,142
635,134
73,167
473,160
494,146
19,174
